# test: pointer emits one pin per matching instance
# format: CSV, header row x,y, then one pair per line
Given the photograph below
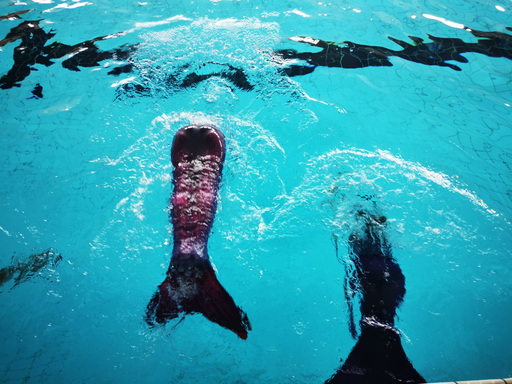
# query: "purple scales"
x,y
197,154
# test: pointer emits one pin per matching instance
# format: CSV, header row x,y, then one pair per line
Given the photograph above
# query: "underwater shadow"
x,y
353,55
35,48
23,270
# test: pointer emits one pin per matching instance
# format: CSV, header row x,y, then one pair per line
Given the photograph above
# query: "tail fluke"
x,y
377,357
196,289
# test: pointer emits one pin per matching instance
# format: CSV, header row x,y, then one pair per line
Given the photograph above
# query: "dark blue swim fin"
x,y
377,358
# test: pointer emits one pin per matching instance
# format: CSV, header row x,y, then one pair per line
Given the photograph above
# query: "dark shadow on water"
x,y
35,49
437,52
15,15
23,270
184,77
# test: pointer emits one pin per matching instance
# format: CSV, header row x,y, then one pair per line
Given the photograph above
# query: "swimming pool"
x,y
86,175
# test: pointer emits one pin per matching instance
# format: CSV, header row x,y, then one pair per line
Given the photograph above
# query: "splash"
x,y
237,53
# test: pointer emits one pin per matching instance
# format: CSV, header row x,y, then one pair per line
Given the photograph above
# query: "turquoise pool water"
x,y
86,173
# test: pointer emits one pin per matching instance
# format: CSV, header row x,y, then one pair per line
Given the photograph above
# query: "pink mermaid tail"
x,y
191,286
